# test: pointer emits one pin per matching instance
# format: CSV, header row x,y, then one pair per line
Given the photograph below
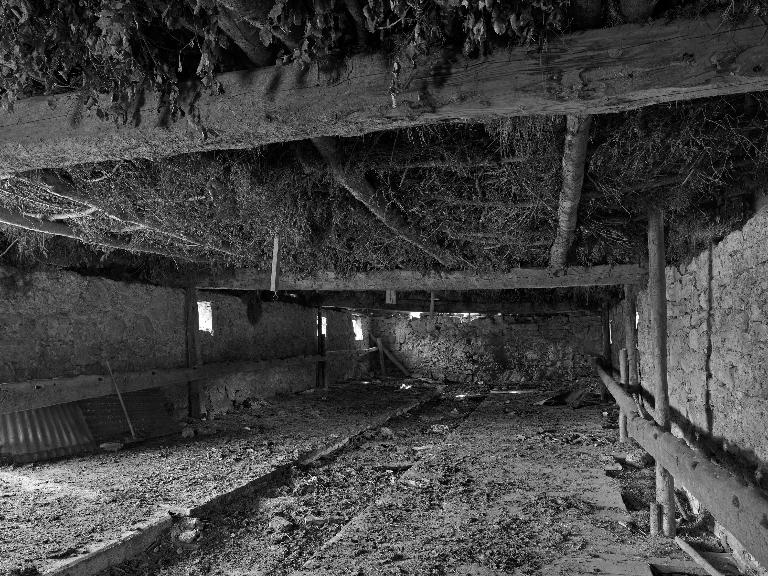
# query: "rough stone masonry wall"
x,y
57,323
717,315
515,349
717,324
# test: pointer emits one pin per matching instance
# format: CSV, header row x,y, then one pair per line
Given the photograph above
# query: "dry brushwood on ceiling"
x,y
488,194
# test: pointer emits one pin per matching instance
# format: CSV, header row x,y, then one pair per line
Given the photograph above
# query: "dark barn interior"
x,y
417,287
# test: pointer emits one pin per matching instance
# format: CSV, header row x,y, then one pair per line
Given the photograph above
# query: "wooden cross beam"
x,y
592,72
411,280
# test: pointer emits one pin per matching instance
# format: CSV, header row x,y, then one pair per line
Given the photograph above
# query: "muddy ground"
x,y
57,510
482,486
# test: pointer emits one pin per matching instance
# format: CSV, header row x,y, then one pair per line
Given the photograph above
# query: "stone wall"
x,y
717,315
717,331
483,350
57,323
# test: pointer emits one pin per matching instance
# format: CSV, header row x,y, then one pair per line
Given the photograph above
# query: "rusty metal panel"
x,y
44,433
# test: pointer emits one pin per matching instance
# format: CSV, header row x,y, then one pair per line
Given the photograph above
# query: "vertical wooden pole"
x,y
275,278
657,292
192,327
607,355
623,380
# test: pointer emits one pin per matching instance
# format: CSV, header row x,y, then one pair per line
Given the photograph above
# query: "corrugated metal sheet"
x,y
150,413
44,433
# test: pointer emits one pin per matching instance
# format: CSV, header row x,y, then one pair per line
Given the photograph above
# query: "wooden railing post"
x,y
657,291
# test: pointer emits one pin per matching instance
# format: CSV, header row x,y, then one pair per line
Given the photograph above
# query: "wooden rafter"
x,y
363,191
63,189
597,71
574,157
10,218
411,280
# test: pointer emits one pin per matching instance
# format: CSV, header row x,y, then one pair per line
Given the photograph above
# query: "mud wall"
x,y
57,323
513,349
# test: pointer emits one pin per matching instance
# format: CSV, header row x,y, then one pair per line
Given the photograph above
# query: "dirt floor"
x,y
56,510
477,486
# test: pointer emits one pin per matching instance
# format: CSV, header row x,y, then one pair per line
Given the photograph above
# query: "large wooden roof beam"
x,y
592,72
411,280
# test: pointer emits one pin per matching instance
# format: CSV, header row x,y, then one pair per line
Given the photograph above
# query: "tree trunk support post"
x,y
192,328
657,290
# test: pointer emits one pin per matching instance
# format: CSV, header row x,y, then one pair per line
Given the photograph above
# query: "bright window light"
x,y
610,331
205,317
357,326
324,326
415,314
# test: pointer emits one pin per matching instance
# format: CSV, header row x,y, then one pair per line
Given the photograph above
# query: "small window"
x,y
205,317
415,314
357,326
324,326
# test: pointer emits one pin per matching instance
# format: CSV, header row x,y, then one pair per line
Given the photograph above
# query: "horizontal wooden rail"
x,y
31,394
415,280
742,509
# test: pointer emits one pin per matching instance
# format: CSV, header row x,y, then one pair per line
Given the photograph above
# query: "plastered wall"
x,y
58,323
518,349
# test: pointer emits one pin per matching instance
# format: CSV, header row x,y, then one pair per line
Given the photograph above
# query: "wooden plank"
x,y
741,508
574,159
395,361
412,280
591,72
657,292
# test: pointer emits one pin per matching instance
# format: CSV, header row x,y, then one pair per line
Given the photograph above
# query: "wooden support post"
x,y
630,335
607,353
431,304
275,278
623,381
382,363
390,297
657,290
192,325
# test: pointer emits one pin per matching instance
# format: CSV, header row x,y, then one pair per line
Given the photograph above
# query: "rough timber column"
x,y
657,290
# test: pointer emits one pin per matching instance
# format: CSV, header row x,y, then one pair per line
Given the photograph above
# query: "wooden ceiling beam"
x,y
374,301
591,72
411,280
